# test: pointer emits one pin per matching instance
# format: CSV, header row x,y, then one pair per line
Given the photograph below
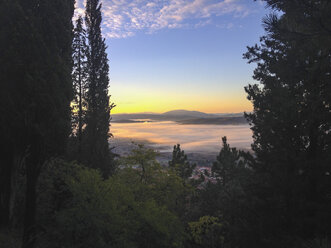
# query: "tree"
x,y
37,90
291,120
207,232
107,213
180,164
81,209
160,193
229,198
144,159
49,94
98,154
79,75
227,163
11,18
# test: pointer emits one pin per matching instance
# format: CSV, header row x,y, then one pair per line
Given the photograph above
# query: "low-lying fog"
x,y
193,138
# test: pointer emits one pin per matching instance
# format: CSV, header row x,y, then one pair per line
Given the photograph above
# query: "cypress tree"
x,y
49,94
35,73
11,49
79,75
98,154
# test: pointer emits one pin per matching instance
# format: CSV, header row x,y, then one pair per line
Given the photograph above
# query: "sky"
x,y
180,54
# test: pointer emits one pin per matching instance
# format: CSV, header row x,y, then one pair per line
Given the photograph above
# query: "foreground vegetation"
x,y
61,185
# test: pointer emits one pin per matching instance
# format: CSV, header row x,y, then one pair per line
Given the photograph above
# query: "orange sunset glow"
x,y
161,101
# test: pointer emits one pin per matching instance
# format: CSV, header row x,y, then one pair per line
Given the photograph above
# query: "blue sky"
x,y
178,54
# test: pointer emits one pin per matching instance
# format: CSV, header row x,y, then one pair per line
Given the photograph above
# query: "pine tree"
x,y
180,163
227,163
80,75
98,154
291,121
228,198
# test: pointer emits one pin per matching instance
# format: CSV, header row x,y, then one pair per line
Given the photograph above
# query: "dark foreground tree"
x,y
11,23
97,153
292,122
36,92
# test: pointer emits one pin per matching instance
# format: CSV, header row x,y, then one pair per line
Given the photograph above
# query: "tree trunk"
x,y
32,172
80,118
6,166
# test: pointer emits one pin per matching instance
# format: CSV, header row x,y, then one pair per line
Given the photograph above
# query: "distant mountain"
x,y
154,117
134,116
230,114
216,121
182,112
129,121
181,116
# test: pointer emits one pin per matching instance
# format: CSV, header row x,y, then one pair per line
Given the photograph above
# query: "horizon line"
x,y
151,112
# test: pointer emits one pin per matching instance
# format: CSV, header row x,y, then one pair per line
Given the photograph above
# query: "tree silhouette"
x,y
180,163
292,118
97,152
80,76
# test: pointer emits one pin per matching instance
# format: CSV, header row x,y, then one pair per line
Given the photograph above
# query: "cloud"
x,y
123,18
79,9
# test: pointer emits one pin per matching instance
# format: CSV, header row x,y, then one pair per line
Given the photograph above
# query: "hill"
x,y
216,121
183,117
182,112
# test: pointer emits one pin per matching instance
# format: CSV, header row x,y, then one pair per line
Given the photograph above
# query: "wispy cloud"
x,y
123,18
79,8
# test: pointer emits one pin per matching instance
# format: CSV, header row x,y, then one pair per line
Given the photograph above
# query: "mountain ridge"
x,y
181,116
193,113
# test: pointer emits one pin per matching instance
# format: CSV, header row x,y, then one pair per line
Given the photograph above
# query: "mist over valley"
x,y
199,134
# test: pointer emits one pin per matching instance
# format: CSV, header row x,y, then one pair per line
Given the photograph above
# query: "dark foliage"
x,y
79,76
36,93
229,199
180,164
278,197
97,153
291,122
